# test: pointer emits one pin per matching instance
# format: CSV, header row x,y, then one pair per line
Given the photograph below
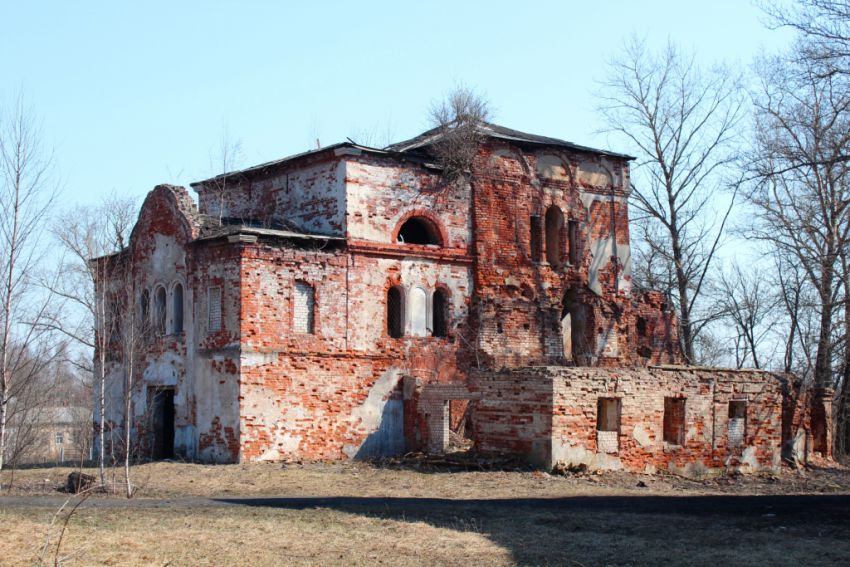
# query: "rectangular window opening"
x,y
608,425
674,421
535,239
737,433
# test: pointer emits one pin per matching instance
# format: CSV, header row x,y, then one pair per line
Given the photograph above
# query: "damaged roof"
x,y
212,227
341,148
500,132
408,150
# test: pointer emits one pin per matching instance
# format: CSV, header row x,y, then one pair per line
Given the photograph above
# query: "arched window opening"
x,y
554,237
394,313
159,311
177,305
305,303
439,306
419,230
145,312
417,312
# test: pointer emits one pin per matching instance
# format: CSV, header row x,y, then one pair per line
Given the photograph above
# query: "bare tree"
x,y
802,196
223,161
134,324
823,28
458,119
87,234
748,302
27,194
682,123
795,332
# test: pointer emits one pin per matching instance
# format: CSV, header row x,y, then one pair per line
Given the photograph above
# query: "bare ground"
x,y
419,479
355,513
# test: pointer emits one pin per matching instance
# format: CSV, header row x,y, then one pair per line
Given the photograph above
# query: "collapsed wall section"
x,y
690,421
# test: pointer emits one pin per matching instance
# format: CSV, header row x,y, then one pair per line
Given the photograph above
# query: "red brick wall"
x,y
519,298
549,415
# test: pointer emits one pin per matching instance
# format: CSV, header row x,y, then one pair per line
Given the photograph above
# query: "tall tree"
x,y
682,123
802,196
27,194
87,233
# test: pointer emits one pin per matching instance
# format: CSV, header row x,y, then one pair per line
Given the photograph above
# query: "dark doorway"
x,y
162,422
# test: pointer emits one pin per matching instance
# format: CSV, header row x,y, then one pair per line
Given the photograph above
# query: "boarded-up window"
x,y
440,315
572,235
535,239
607,424
214,309
304,310
737,423
674,421
159,311
394,314
177,305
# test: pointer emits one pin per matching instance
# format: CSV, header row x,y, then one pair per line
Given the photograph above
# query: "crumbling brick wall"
x,y
550,415
522,288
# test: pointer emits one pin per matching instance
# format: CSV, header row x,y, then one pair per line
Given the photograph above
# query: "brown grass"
x,y
463,530
417,535
165,480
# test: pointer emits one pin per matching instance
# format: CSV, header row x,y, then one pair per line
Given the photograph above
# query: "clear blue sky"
x,y
135,94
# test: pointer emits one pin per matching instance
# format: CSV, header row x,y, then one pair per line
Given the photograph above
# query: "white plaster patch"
x,y
367,416
641,435
595,174
253,359
166,255
603,461
603,249
749,458
417,311
552,166
571,455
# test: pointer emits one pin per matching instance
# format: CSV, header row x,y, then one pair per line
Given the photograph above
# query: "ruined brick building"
x,y
348,302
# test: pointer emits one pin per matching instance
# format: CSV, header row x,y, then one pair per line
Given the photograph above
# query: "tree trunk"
x,y
128,405
685,330
823,367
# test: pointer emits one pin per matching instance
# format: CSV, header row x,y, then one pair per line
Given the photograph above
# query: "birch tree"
x,y
88,236
27,194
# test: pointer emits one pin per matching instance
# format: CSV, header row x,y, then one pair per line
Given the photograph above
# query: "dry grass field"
x,y
358,514
173,479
